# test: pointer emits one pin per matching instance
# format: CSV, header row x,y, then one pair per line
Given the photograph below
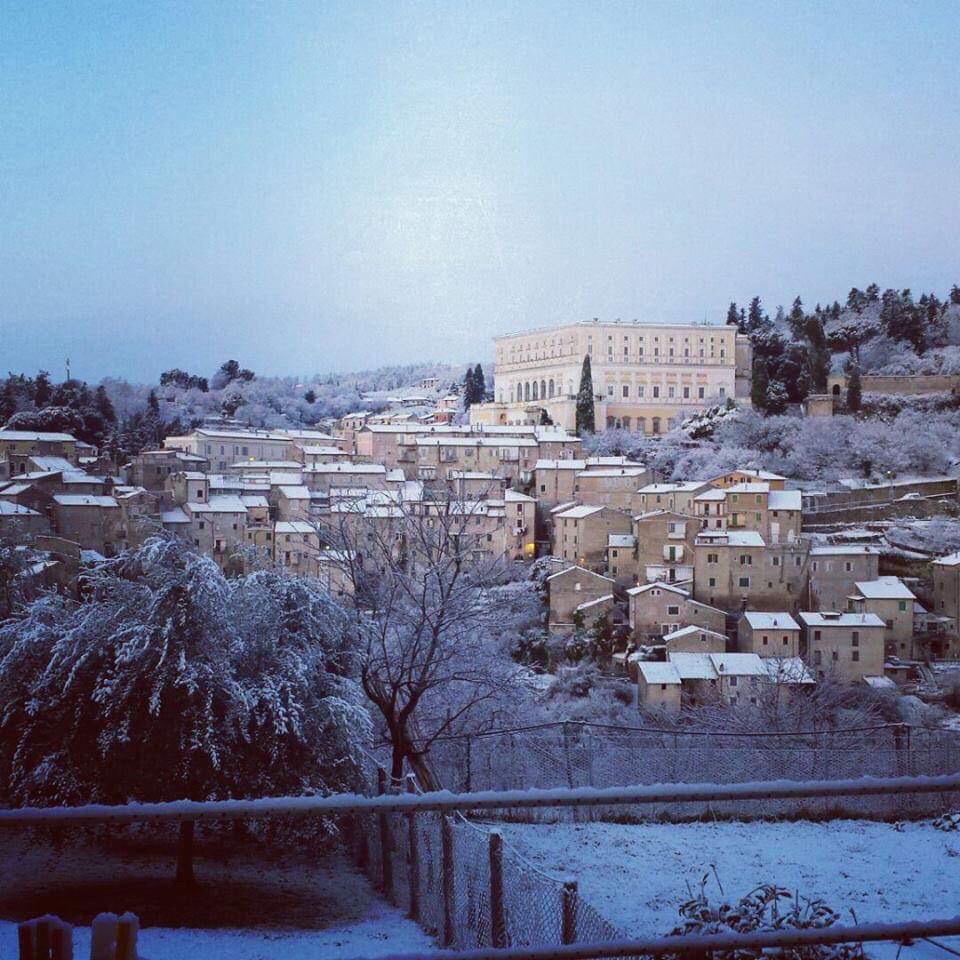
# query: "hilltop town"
x,y
694,588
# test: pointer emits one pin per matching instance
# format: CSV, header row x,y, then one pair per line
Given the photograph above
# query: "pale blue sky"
x,y
308,186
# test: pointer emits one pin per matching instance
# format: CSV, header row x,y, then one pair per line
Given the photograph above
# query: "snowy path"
x,y
637,874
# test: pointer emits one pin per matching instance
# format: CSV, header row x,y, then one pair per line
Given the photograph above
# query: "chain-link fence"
x,y
573,754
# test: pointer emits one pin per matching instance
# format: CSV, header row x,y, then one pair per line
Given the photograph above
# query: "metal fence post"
x,y
469,786
446,865
568,912
386,842
498,923
414,872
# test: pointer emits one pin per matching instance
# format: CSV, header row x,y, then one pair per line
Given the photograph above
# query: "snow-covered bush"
x,y
768,908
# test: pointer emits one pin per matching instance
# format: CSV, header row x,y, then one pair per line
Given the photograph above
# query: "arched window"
x,y
536,390
641,424
836,389
550,387
543,389
526,390
656,425
511,392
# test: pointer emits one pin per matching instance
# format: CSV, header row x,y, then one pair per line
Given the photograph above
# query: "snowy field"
x,y
636,875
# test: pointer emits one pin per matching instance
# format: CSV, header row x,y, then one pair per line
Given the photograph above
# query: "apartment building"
x,y
846,646
893,602
694,639
218,527
93,521
152,468
581,533
513,458
570,589
17,445
774,514
736,569
296,547
656,609
610,486
679,497
665,542
646,377
946,587
768,634
835,570
223,446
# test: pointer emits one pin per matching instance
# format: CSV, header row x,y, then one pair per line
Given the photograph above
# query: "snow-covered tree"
x,y
167,681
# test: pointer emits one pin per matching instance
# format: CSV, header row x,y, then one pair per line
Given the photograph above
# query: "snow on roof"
x,y
294,491
711,495
627,540
950,560
313,450
693,666
660,512
770,621
844,550
579,512
615,472
684,486
222,503
77,476
656,671
254,500
346,466
731,538
192,475
659,584
176,515
785,500
514,496
83,500
787,670
617,461
293,526
595,602
8,509
749,472
560,507
738,664
884,588
880,683
476,441
689,632
826,618
15,489
756,487
37,436
571,569
53,464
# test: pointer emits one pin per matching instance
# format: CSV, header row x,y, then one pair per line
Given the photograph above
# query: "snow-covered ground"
x,y
636,875
383,931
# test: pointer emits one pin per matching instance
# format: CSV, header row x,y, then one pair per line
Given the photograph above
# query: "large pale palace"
x,y
646,377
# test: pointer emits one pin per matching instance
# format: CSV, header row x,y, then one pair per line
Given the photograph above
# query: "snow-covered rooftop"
x,y
690,631
8,509
36,436
787,670
738,664
579,512
760,620
845,550
222,503
294,491
624,540
826,618
732,538
693,666
53,464
293,526
884,588
785,500
582,570
660,585
83,500
656,671
176,515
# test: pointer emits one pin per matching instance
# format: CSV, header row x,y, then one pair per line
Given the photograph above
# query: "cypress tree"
x,y
760,384
479,385
854,390
586,419
468,388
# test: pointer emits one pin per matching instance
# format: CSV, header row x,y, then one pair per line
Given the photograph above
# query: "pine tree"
x,y
104,405
797,319
756,318
854,390
955,295
733,316
586,415
153,404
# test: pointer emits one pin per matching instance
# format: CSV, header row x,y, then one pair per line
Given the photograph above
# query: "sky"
x,y
332,186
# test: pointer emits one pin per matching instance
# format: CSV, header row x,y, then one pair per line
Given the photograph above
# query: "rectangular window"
x,y
856,656
744,581
626,391
656,391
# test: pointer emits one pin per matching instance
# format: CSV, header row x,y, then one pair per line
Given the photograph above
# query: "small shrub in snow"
x,y
949,822
767,908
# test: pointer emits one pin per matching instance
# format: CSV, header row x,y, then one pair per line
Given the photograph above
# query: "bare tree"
x,y
433,611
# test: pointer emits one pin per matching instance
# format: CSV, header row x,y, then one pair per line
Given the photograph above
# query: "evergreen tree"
x,y
310,396
955,295
756,318
797,319
854,390
468,388
586,415
818,354
777,398
479,384
104,405
153,404
760,385
42,391
733,316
